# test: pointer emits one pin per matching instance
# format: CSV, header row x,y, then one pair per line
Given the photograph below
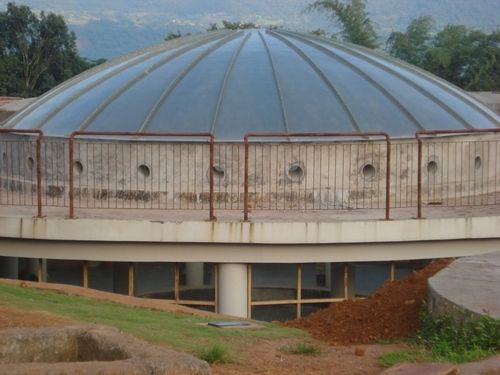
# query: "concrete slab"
x,y
469,287
423,368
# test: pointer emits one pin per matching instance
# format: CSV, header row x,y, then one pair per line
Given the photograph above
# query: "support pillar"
x,y
233,292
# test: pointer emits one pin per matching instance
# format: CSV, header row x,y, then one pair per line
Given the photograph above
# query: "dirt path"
x,y
267,358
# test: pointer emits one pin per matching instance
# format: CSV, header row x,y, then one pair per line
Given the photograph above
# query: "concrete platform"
x,y
469,287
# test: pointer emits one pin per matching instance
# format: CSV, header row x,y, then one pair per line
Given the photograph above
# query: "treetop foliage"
x,y
468,58
37,52
353,18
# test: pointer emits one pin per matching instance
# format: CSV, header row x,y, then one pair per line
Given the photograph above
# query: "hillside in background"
x,y
113,27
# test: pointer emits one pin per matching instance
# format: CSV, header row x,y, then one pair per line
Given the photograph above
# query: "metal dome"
x,y
234,82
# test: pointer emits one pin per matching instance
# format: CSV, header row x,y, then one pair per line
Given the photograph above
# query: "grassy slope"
x,y
179,331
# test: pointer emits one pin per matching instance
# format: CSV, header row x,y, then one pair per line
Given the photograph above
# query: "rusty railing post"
x,y
71,176
245,189
419,176
211,204
39,173
38,157
388,180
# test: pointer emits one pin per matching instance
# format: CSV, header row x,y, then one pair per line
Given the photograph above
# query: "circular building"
x,y
301,152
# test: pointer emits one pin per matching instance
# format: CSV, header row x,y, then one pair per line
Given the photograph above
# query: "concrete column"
x,y
9,267
233,296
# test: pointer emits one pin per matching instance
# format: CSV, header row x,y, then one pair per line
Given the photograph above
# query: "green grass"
x,y
301,348
392,358
215,354
179,331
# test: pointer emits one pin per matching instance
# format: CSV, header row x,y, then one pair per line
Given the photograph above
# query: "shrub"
x,y
215,354
448,340
301,348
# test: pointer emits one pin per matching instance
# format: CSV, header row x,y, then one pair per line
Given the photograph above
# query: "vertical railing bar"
x,y
388,180
72,177
419,178
245,187
23,162
211,213
263,148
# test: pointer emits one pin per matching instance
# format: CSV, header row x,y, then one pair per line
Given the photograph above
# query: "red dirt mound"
x,y
391,312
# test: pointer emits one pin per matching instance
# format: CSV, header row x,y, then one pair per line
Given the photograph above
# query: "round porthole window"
x,y
432,167
144,170
369,172
78,167
31,163
219,171
478,162
296,172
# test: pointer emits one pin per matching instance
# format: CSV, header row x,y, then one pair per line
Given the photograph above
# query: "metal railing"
x,y
106,168
12,163
460,172
268,172
335,164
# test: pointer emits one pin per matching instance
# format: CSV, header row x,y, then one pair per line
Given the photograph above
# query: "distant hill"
x,y
112,27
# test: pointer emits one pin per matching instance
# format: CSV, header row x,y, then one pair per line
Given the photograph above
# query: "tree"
x,y
36,52
172,36
213,27
467,58
238,25
318,32
353,18
413,44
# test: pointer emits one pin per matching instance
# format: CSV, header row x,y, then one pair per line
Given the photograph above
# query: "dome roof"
x,y
234,82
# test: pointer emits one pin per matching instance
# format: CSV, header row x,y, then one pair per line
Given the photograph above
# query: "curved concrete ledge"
x,y
468,288
249,253
363,231
91,350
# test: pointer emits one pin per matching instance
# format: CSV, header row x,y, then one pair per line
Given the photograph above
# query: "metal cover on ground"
x,y
228,324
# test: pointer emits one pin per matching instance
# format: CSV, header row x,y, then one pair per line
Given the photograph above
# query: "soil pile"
x,y
391,312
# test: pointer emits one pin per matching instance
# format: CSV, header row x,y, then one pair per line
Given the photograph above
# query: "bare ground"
x,y
268,357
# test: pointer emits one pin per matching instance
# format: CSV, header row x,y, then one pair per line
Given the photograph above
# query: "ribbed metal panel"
x,y
235,82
